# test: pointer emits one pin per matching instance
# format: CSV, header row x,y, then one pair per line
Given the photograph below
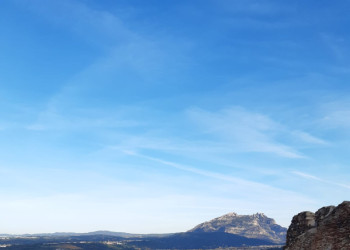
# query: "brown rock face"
x,y
327,229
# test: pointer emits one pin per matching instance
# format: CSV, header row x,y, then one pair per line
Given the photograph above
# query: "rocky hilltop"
x,y
257,226
327,229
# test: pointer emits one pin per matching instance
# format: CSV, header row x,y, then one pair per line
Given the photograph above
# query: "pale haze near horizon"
x,y
155,116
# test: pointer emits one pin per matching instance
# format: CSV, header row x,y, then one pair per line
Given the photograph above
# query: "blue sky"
x,y
154,116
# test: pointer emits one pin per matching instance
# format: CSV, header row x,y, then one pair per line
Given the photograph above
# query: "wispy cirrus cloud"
x,y
337,45
234,185
191,169
244,131
336,114
52,119
217,135
245,184
127,57
338,118
315,178
308,138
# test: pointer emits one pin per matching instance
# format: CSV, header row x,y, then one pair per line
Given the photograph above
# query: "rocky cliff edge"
x,y
327,229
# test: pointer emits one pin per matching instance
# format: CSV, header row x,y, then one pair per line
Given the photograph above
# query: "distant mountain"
x,y
230,230
256,226
69,246
94,233
126,235
192,240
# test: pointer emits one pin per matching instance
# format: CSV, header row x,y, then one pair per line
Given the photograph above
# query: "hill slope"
x,y
202,240
257,226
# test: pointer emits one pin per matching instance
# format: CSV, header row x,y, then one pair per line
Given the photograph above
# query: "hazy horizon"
x,y
155,116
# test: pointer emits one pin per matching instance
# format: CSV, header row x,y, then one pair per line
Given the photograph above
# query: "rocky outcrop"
x,y
257,226
327,229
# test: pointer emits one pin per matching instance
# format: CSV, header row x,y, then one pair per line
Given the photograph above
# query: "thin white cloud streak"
x,y
336,114
307,176
337,45
306,137
217,153
188,169
223,134
315,178
338,119
258,187
261,197
55,120
246,131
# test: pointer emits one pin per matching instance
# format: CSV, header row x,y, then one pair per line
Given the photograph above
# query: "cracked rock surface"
x,y
327,229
